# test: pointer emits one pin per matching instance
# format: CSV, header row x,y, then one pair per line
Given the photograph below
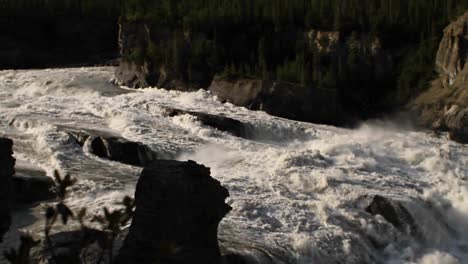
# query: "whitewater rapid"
x,y
293,186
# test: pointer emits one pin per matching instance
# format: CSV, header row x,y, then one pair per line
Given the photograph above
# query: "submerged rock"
x,y
393,211
115,148
178,209
456,120
232,126
7,169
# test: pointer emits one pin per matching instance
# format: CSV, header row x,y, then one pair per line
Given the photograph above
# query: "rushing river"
x,y
294,186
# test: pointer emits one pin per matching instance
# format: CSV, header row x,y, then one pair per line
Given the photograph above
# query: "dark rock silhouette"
x,y
7,169
115,148
178,209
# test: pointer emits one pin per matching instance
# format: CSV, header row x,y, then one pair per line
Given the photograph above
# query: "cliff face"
x,y
141,44
445,105
190,61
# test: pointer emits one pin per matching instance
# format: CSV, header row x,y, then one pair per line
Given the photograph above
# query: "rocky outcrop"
x,y
282,99
241,92
445,105
132,70
7,169
178,209
114,148
392,210
140,66
222,123
31,184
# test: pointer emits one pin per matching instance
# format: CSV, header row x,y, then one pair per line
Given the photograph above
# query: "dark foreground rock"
x,y
232,126
7,169
31,184
178,209
445,105
115,148
392,210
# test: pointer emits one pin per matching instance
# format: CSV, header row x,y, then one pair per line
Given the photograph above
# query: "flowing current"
x,y
294,187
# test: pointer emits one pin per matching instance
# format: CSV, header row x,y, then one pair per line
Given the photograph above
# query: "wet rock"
x,y
241,92
393,211
178,209
115,148
456,120
31,184
232,126
131,75
7,169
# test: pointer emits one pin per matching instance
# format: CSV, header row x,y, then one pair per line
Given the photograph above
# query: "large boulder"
x,y
220,122
392,210
113,147
178,209
7,169
445,105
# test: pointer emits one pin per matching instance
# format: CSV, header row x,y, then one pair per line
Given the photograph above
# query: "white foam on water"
x,y
293,185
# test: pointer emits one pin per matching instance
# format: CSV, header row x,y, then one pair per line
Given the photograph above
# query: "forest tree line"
x,y
268,39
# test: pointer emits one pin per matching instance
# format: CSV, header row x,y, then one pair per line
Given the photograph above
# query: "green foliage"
x,y
112,222
266,39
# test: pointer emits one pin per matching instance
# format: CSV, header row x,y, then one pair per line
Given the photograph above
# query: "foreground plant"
x,y
22,255
111,221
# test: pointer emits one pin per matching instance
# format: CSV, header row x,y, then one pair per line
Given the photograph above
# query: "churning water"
x,y
294,186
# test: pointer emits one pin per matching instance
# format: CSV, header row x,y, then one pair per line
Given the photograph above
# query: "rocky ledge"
x,y
445,105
